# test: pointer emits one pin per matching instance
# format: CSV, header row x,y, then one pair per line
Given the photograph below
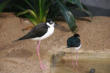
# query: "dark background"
x,y
98,7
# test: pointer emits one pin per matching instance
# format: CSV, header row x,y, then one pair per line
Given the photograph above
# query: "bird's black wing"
x,y
37,31
73,42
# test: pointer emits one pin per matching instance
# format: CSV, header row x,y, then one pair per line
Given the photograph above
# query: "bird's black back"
x,y
37,31
73,42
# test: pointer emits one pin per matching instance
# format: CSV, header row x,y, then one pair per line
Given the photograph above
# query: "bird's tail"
x,y
15,41
18,40
22,38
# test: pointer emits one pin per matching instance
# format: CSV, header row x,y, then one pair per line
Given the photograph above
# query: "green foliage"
x,y
38,11
67,15
81,6
60,8
3,5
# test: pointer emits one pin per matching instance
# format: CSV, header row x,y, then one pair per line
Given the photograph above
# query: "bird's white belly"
x,y
77,48
49,32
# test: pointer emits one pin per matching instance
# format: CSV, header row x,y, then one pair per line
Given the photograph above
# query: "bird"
x,y
74,42
40,32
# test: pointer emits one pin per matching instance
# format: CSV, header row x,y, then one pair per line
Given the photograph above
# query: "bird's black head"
x,y
50,22
76,35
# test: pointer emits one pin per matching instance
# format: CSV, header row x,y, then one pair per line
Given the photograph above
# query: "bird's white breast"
x,y
49,32
77,48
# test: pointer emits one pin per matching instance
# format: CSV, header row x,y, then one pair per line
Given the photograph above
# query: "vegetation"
x,y
64,8
38,11
3,4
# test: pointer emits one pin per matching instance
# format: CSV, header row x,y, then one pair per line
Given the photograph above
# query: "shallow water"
x,y
84,66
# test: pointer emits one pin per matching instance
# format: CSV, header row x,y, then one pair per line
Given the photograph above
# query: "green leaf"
x,y
3,5
68,16
43,9
28,11
80,5
37,13
35,4
32,19
30,5
40,9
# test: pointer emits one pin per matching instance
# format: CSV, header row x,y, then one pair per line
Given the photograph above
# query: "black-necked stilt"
x,y
40,32
74,42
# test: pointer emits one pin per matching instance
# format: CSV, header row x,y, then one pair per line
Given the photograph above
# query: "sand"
x,y
20,57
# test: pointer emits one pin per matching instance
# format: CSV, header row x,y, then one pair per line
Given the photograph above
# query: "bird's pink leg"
x,y
38,54
77,58
73,63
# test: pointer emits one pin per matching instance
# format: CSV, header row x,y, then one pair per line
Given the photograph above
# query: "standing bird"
x,y
40,32
74,42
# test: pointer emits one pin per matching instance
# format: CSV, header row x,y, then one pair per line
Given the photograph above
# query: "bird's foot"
x,y
76,64
42,67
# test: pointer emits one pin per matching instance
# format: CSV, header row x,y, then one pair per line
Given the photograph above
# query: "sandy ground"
x,y
20,57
